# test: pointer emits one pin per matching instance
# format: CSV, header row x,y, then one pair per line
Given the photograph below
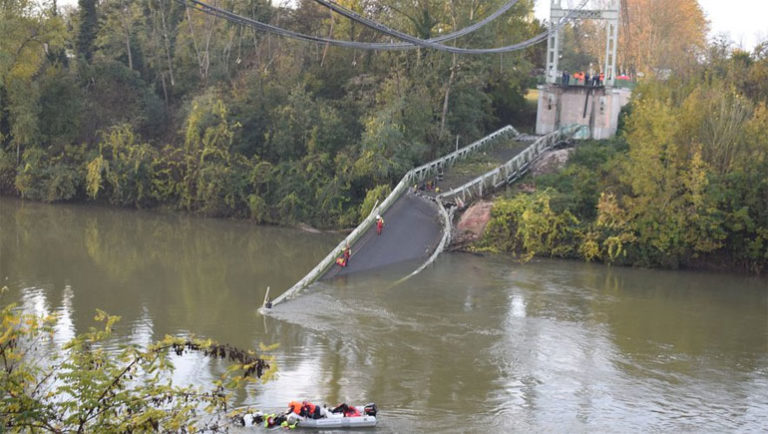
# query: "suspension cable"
x,y
448,36
235,18
230,16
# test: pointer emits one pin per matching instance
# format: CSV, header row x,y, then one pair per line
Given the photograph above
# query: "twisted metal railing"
x,y
414,176
522,160
510,171
430,169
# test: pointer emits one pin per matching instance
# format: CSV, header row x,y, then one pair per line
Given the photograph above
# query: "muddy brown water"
x,y
472,344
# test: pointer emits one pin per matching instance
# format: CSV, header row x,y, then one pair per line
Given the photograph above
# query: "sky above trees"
x,y
742,20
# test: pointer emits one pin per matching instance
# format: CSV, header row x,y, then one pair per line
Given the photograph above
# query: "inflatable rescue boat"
x,y
349,417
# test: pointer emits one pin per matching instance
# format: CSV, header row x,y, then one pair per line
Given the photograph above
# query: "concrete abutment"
x,y
596,108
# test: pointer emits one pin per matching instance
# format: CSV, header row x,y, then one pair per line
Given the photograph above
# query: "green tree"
x,y
50,178
214,180
29,33
116,37
114,94
526,225
89,28
122,170
86,387
60,108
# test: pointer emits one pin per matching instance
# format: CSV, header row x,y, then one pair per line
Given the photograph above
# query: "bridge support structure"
x,y
596,108
607,11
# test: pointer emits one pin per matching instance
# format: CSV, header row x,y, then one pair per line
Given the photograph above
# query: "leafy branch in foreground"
x,y
86,385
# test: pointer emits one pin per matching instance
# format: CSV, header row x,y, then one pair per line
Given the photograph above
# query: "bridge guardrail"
x,y
447,216
412,176
540,146
422,172
512,170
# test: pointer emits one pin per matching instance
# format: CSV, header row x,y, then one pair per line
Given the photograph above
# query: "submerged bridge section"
x,y
417,225
413,230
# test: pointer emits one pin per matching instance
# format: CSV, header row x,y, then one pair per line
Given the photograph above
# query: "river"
x,y
472,344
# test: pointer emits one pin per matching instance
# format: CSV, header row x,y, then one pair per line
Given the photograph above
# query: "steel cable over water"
x,y
416,42
241,20
447,37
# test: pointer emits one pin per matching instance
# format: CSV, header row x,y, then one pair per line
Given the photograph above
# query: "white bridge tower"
x,y
595,106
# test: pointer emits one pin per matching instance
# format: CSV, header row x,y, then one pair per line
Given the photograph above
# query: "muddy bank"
x,y
471,225
474,219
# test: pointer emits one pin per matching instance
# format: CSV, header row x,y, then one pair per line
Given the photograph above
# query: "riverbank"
x,y
590,209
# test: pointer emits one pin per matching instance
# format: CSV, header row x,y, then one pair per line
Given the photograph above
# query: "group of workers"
x,y
430,185
582,78
343,260
304,409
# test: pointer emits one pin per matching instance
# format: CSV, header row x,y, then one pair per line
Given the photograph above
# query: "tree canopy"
x,y
655,37
155,104
86,386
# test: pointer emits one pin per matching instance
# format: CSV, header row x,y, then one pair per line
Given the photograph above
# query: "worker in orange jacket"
x,y
379,225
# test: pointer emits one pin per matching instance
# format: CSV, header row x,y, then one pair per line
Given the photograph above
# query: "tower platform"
x,y
596,107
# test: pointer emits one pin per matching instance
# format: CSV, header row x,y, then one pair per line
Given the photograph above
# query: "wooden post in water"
x,y
266,298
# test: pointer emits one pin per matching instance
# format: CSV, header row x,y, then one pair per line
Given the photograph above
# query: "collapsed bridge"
x,y
417,223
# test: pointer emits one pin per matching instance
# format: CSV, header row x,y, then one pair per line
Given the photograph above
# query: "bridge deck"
x,y
477,165
416,227
412,230
412,226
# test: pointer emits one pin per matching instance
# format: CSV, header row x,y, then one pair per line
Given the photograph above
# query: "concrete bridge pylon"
x,y
595,105
596,108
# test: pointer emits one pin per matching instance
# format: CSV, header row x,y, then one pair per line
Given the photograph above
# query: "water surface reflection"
x,y
471,344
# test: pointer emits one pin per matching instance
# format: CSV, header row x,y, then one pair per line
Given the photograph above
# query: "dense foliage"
x,y
656,38
144,103
684,185
86,386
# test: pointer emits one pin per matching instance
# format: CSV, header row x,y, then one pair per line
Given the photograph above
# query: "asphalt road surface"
x,y
412,230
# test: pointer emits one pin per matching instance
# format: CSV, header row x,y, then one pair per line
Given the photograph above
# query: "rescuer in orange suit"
x,y
310,410
379,224
343,260
294,407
